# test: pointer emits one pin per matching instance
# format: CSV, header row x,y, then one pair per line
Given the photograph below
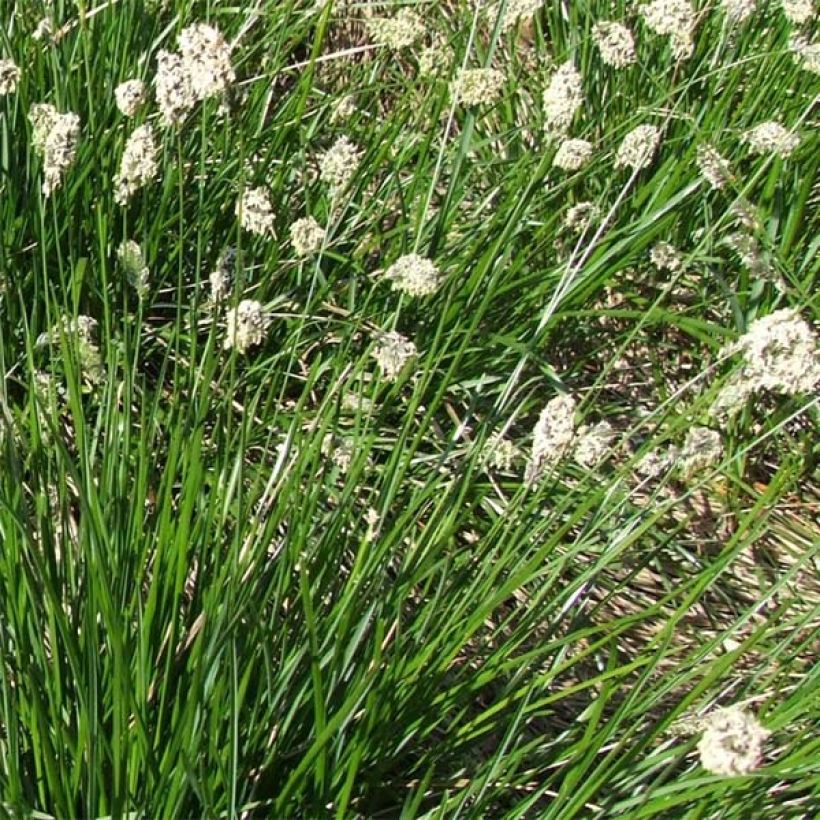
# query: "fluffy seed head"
x,y
499,453
562,98
798,11
247,324
130,96
553,435
732,742
306,236
138,165
206,59
666,257
593,443
399,31
56,137
771,137
580,216
222,276
475,86
702,449
714,168
255,211
414,275
572,154
392,352
638,147
172,85
516,10
806,53
672,18
616,44
737,11
338,164
9,77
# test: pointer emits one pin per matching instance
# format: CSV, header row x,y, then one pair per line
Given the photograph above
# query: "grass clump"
x,y
529,532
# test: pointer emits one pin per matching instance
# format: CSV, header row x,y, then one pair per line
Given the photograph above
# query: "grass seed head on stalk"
x,y
771,137
806,53
337,166
414,275
798,11
666,256
580,216
130,96
732,742
552,437
701,450
172,85
392,352
255,211
738,11
397,32
222,276
306,236
247,325
714,168
638,147
9,77
563,96
56,137
133,264
499,452
206,59
138,165
475,86
593,443
572,155
616,44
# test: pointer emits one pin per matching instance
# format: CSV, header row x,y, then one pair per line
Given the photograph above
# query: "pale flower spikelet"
x,y
771,137
306,236
221,277
580,216
399,31
806,53
798,11
701,450
499,453
516,10
732,742
9,77
713,167
638,147
475,86
129,255
337,166
56,137
616,44
247,325
738,11
138,165
206,59
130,96
414,275
572,155
392,353
172,86
593,443
562,98
671,18
553,436
255,211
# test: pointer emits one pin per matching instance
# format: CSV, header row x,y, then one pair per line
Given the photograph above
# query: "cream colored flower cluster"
x,y
392,353
552,437
713,167
475,86
130,96
414,275
9,77
674,19
563,96
56,137
337,166
738,11
247,325
306,236
130,257
138,165
638,147
255,211
732,742
771,137
615,43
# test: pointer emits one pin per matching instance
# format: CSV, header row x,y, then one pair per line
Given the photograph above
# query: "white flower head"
x,y
56,137
593,443
130,96
172,85
616,44
798,11
714,168
255,211
475,86
806,53
392,352
638,147
337,166
771,137
671,18
552,438
206,59
221,277
738,11
572,155
306,236
414,275
399,31
247,325
666,256
580,216
138,165
562,98
499,452
732,742
9,77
